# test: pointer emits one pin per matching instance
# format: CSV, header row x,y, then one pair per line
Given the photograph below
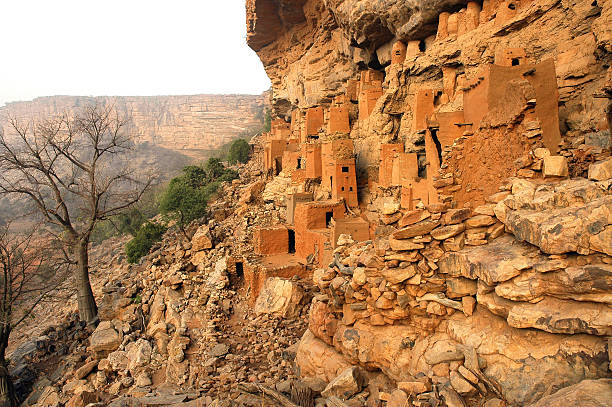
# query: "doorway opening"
x,y
291,241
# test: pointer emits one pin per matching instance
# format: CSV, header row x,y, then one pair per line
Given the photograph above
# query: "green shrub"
x,y
187,195
145,238
238,152
183,202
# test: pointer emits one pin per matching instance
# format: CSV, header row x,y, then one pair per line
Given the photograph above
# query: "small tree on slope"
x,y
28,274
75,170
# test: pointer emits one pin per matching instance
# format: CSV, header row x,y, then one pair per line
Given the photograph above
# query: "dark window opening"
x,y
344,169
299,164
342,188
331,182
437,97
328,217
279,165
434,137
512,6
398,52
239,269
350,188
291,241
515,62
422,46
422,161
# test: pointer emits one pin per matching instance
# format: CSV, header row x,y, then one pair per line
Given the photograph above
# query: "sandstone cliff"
x,y
197,122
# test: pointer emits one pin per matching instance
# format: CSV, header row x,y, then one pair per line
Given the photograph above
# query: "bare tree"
x,y
28,274
75,169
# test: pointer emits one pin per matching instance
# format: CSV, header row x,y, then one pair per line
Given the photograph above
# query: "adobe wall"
x,y
293,200
271,240
344,182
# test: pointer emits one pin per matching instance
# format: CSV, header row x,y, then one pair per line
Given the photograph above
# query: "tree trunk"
x,y
88,311
8,398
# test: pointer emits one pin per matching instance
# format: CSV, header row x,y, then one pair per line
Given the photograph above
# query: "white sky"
x,y
125,47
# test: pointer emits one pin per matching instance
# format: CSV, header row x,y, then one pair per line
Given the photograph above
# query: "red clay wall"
x,y
388,154
339,120
344,184
314,120
273,240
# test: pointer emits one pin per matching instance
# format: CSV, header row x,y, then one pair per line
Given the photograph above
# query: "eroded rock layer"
x,y
172,122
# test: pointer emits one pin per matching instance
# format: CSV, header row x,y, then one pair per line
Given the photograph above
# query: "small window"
x,y
345,169
343,188
422,46
328,217
350,188
512,6
515,61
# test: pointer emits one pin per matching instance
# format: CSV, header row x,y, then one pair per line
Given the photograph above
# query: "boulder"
x,y
417,229
322,322
413,216
86,369
83,399
445,232
401,245
118,360
138,354
601,170
316,359
201,240
345,385
555,166
398,398
528,363
399,274
454,216
279,297
587,393
461,385
104,339
250,192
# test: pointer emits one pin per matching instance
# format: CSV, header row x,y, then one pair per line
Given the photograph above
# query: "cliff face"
x,y
432,157
311,48
198,122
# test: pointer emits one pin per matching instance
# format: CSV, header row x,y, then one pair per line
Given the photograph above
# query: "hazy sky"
x,y
125,47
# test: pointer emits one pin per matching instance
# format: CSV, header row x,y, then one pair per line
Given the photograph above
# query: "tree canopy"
x,y
238,152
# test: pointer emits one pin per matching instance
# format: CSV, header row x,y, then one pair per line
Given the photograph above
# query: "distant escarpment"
x,y
195,122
